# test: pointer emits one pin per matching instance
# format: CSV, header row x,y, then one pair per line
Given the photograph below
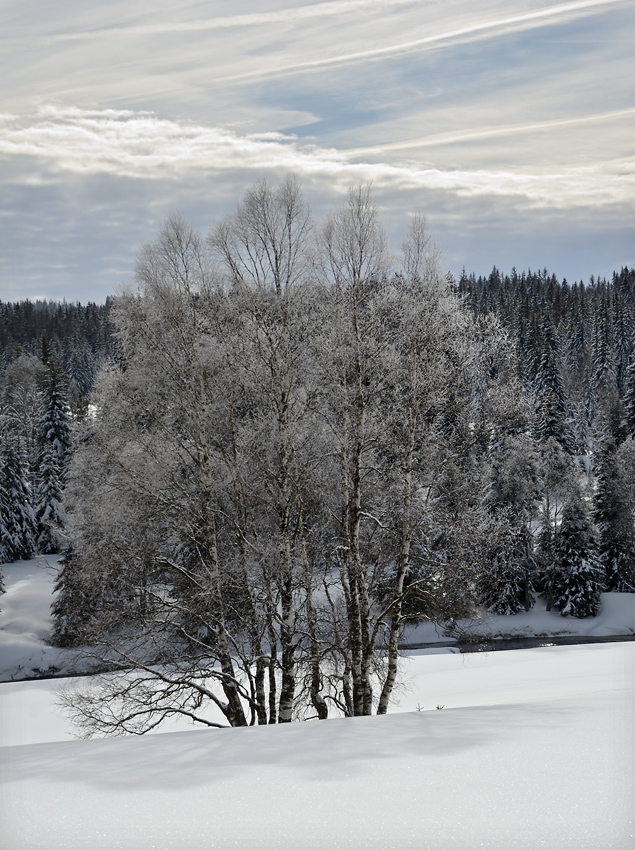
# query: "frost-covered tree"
x,y
613,513
579,577
629,400
49,515
257,497
558,478
52,456
76,603
54,423
21,406
506,586
551,408
17,520
263,253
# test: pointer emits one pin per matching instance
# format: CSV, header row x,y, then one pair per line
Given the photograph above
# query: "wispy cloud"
x,y
144,146
473,31
291,14
510,122
492,132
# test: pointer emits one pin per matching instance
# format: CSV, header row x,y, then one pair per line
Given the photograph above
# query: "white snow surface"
x,y
616,617
533,749
25,622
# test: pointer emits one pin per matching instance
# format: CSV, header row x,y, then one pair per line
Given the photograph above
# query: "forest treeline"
x,y
79,337
589,330
590,326
295,442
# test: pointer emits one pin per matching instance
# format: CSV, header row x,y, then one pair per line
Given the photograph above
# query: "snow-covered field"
x,y
533,749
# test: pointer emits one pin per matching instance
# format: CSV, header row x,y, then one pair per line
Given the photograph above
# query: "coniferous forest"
x,y
286,442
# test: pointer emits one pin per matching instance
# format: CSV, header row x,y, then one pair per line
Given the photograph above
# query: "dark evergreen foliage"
x,y
579,576
17,519
629,399
78,336
506,587
75,603
582,332
53,448
48,503
614,518
54,423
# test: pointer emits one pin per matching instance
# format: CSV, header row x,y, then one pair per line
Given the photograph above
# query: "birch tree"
x,y
287,452
264,252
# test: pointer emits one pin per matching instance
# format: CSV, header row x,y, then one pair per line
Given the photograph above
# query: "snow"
x,y
25,621
533,749
539,772
616,617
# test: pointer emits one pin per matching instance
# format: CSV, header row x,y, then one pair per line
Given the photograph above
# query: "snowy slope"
x,y
533,749
539,772
29,714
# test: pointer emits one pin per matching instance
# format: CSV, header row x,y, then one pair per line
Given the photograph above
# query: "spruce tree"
x,y
551,409
54,441
506,587
579,577
75,604
614,518
513,495
54,422
546,559
6,533
629,399
17,520
48,511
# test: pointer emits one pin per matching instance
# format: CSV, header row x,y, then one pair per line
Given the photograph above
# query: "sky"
x,y
510,124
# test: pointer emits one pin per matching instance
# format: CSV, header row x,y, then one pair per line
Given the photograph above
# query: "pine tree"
x,y
54,441
579,575
6,536
614,519
506,587
54,423
629,399
48,511
17,520
75,605
607,401
546,559
551,411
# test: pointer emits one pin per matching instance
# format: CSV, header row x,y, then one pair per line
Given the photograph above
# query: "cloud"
x,y
145,146
509,122
491,132
483,29
292,14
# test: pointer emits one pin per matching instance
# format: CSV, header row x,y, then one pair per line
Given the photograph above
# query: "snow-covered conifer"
x,y
629,399
48,507
17,520
506,586
613,515
54,423
54,442
579,576
551,408
75,604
